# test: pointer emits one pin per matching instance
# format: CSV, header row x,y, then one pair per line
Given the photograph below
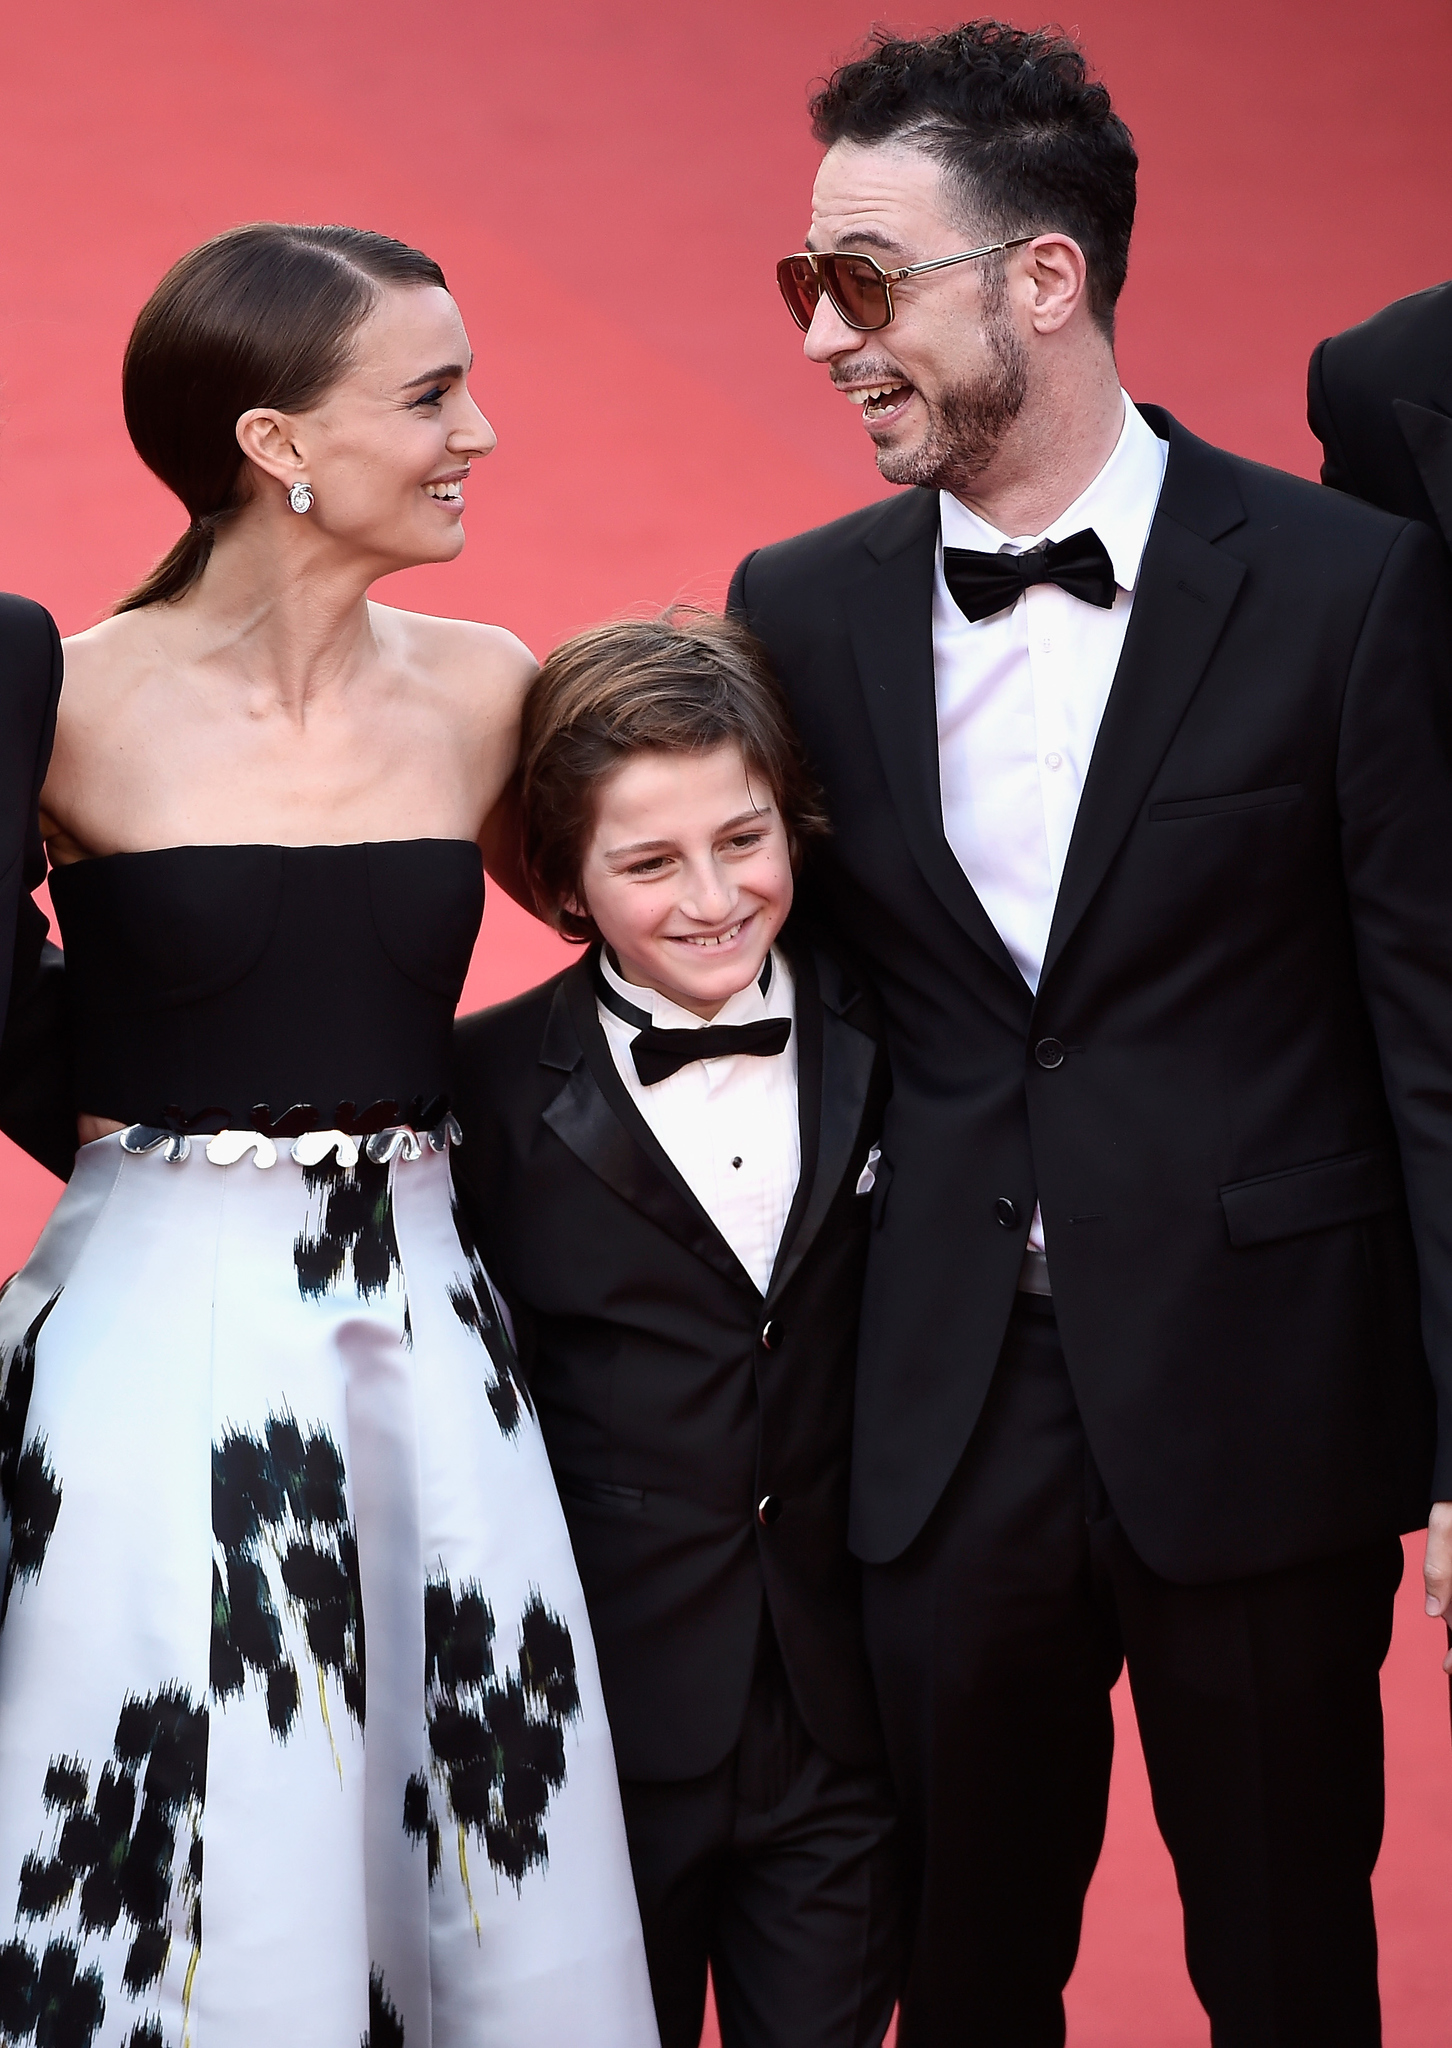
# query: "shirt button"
x,y
1049,1053
1053,760
771,1335
1006,1210
768,1508
1047,643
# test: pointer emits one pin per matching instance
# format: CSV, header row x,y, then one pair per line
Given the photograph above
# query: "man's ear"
x,y
1055,279
269,440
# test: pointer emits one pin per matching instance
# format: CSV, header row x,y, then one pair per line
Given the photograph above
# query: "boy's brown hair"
x,y
683,683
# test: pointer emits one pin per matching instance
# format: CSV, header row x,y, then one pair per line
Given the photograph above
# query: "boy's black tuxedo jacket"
x,y
35,1103
1380,403
1236,1076
673,1398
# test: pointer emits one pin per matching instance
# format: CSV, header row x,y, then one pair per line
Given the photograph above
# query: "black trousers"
x,y
995,1639
778,1868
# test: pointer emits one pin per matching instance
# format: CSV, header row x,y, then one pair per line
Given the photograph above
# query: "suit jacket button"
x,y
767,1509
771,1335
1049,1053
1006,1210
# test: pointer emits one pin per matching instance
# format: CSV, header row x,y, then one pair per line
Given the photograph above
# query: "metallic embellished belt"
x,y
310,1148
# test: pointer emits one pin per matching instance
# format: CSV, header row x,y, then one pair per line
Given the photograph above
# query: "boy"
x,y
668,1162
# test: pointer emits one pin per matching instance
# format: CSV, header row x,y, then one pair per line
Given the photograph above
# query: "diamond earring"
x,y
300,497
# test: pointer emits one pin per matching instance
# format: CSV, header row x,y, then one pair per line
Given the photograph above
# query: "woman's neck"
x,y
283,614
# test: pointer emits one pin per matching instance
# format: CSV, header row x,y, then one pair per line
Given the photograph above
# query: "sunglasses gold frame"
x,y
888,278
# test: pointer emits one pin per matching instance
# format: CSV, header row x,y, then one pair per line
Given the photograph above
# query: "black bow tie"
x,y
659,1053
983,584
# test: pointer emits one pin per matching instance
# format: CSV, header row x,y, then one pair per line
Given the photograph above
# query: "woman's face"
x,y
688,874
387,452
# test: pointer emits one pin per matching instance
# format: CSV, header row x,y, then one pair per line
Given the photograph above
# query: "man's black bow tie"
x,y
983,584
659,1053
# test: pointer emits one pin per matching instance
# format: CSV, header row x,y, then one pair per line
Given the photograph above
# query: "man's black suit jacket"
x,y
1380,404
672,1397
35,1106
1236,1077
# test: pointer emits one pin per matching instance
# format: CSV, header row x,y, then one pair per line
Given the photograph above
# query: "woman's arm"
x,y
502,847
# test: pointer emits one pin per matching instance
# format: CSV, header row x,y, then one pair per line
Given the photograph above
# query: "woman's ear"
x,y
269,441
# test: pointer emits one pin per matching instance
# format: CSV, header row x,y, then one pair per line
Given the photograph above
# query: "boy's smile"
x,y
688,874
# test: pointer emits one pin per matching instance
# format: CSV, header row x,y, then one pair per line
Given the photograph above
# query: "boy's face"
x,y
688,874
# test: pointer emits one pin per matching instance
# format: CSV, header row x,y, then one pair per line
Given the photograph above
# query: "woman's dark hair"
x,y
262,315
683,683
1016,124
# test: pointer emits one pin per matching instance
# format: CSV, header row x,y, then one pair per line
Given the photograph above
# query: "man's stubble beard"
x,y
966,426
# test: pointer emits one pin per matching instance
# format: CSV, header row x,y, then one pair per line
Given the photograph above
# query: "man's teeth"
x,y
720,938
873,394
453,490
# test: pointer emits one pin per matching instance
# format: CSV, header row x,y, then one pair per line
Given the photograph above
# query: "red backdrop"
x,y
607,187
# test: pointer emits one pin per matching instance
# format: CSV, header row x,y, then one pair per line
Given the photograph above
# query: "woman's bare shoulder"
x,y
120,633
462,652
107,660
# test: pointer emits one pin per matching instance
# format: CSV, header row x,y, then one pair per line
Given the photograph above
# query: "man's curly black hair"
x,y
1028,138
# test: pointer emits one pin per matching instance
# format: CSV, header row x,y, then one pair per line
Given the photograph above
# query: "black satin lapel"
x,y
808,1028
890,612
594,1115
1185,591
835,1080
1428,435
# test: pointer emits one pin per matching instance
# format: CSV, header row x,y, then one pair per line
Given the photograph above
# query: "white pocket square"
x,y
867,1179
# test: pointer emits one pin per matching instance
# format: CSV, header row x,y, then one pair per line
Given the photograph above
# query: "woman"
x,y
257,1399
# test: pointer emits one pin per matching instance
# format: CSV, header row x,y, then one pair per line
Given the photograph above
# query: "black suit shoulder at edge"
x,y
1418,328
35,1094
23,617
1403,351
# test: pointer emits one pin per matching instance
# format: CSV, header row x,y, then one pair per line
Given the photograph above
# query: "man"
x,y
1139,763
1380,404
1379,400
35,1106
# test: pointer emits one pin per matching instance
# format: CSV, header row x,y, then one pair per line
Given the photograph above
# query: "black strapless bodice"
x,y
275,988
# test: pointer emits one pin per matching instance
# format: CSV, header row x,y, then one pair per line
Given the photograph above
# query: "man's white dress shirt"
x,y
729,1125
1021,694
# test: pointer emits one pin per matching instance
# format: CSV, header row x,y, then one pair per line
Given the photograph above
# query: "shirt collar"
x,y
1119,504
745,1007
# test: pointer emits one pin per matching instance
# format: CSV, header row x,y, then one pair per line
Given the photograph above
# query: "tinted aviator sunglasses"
x,y
858,288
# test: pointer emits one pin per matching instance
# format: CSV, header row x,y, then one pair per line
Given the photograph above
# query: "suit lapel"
x,y
594,1115
808,1029
890,613
1183,597
1428,435
834,1073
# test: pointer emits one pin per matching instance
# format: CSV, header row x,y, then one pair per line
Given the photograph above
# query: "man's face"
x,y
942,383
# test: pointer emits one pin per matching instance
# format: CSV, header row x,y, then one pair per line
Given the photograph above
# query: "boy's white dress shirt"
x,y
728,1125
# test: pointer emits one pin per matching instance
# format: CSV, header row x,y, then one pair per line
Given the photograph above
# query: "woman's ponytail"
x,y
178,569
